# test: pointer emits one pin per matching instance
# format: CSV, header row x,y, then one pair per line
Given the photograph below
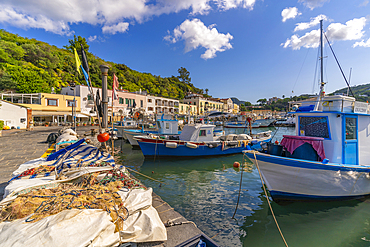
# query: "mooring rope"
x,y
268,201
240,188
145,175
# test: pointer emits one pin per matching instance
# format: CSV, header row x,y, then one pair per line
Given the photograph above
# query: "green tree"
x,y
6,82
262,101
76,43
184,76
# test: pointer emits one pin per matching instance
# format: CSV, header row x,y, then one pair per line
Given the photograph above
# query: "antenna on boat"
x,y
322,83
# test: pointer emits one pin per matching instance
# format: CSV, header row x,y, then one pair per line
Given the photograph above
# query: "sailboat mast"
x,y
322,60
321,93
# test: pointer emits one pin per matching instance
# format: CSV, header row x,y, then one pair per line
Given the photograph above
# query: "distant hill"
x,y
32,66
237,101
361,92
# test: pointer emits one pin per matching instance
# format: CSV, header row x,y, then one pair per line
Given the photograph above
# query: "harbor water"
x,y
205,191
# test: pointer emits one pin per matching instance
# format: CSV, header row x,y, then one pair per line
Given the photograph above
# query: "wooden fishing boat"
x,y
327,158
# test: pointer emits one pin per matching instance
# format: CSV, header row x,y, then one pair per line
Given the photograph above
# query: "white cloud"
x,y
39,21
314,21
118,28
196,34
290,13
56,15
231,4
92,38
313,3
352,30
364,3
362,43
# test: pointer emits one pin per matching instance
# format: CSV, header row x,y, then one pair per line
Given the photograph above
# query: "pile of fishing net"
x,y
91,191
77,197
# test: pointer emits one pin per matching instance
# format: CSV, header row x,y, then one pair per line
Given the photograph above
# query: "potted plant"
x,y
77,124
46,124
84,124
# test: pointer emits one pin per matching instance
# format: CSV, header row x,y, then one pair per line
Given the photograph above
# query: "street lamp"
x,y
104,70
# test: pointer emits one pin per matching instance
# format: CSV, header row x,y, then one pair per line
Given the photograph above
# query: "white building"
x,y
14,115
158,105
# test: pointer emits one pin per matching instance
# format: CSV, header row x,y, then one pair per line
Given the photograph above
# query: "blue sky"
x,y
249,49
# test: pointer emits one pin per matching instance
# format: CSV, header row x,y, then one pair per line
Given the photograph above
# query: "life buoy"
x,y
325,103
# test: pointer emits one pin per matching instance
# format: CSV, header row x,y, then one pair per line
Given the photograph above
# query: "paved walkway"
x,y
19,146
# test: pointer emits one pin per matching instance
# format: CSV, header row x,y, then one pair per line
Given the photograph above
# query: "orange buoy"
x,y
103,137
236,164
276,142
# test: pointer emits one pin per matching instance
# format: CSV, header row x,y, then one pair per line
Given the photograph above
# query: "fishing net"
x,y
91,191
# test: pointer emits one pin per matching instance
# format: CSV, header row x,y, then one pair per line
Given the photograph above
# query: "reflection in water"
x,y
205,191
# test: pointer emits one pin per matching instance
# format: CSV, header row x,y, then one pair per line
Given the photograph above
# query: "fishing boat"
x,y
199,140
327,158
258,123
165,126
125,124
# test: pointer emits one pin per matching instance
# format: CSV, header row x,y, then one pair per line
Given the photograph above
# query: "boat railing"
x,y
332,104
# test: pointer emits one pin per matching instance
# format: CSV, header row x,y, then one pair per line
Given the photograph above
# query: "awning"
x,y
80,115
50,113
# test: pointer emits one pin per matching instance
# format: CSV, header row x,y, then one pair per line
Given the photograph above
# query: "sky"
x,y
249,49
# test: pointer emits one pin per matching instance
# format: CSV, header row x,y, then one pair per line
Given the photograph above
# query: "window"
x,y
149,100
182,108
89,97
70,103
52,102
202,133
314,126
121,100
351,133
167,126
127,102
141,103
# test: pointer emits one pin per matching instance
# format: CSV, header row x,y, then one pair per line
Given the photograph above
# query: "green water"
x,y
205,191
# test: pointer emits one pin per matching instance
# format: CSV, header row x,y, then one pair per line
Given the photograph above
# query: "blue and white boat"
x,y
165,126
125,124
328,158
198,140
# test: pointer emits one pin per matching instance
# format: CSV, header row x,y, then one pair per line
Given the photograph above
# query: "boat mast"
x,y
322,83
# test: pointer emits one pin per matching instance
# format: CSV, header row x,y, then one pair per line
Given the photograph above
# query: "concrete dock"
x,y
20,146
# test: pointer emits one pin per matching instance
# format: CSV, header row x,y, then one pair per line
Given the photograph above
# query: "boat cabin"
x,y
167,126
197,133
340,123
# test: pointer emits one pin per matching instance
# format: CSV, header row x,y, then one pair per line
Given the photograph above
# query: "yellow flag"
x,y
78,62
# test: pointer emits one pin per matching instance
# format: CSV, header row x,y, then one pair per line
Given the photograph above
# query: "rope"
x,y
240,188
145,175
268,201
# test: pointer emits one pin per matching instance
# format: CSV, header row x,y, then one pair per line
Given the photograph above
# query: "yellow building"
x,y
236,109
203,105
49,108
185,109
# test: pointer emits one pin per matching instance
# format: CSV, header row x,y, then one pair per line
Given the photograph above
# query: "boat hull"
x,y
294,179
157,147
160,149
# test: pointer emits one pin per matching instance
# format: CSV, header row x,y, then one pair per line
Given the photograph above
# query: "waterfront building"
x,y
14,115
228,105
203,105
48,108
159,105
235,109
186,109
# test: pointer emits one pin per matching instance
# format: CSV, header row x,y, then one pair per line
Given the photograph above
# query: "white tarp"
x,y
189,132
87,227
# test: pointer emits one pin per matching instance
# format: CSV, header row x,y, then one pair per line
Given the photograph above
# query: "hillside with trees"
x,y
32,66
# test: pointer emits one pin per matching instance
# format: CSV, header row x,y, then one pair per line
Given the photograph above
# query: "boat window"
x,y
202,133
167,125
314,126
351,128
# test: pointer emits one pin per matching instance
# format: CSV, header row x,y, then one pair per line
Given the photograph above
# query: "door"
x,y
350,140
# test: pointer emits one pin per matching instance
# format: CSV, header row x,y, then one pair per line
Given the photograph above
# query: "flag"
x,y
84,59
115,86
78,62
85,75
